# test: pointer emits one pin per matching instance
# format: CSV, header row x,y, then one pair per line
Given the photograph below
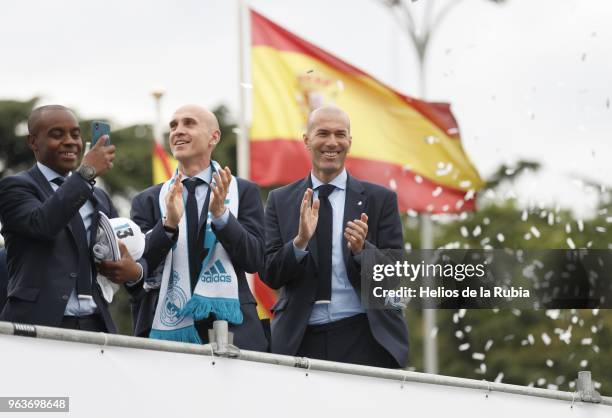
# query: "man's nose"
x,y
69,139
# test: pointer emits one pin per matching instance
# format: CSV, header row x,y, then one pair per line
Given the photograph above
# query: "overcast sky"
x,y
529,79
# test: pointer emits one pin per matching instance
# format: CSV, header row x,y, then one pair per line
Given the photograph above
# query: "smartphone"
x,y
98,129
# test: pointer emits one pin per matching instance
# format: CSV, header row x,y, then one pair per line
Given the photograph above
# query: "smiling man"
x,y
49,216
206,232
316,229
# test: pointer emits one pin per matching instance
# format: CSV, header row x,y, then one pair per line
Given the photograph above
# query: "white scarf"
x,y
216,290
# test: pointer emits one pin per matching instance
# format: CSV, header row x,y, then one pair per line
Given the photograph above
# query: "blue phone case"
x,y
99,129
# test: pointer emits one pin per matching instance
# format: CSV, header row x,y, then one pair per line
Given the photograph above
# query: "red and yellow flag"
x,y
405,144
163,164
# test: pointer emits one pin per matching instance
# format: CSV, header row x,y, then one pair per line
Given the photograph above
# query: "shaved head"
x,y
194,134
37,115
327,111
202,113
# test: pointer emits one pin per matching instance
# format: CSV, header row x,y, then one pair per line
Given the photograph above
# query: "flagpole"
x,y
242,145
430,341
157,94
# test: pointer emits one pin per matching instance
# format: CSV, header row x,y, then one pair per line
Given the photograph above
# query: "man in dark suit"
x,y
194,133
49,218
313,254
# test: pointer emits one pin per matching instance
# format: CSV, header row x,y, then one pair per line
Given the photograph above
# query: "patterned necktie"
x,y
195,245
324,243
83,284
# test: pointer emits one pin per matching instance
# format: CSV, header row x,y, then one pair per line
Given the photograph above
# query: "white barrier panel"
x,y
128,382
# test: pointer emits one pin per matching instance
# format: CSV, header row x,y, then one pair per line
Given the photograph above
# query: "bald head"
x,y
327,112
38,115
194,134
204,115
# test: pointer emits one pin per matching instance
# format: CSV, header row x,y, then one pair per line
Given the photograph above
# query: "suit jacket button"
x,y
73,274
64,297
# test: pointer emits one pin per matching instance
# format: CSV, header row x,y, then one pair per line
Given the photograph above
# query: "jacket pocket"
x,y
29,294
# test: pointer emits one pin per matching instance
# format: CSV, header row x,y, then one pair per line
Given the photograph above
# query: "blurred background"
x,y
528,81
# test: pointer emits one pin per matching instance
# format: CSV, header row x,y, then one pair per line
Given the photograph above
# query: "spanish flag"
x,y
408,145
163,164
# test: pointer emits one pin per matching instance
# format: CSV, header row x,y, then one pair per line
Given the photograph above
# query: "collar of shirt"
x,y
205,175
47,172
339,181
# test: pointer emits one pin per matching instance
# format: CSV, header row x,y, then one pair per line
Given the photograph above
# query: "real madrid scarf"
x,y
216,290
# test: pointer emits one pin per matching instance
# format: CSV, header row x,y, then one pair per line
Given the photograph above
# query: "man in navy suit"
x,y
194,133
49,218
313,254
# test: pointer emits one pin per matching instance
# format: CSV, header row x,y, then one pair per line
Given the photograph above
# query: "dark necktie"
x,y
195,246
83,285
324,243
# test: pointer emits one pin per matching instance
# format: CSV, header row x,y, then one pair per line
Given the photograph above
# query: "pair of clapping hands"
x,y
355,231
174,198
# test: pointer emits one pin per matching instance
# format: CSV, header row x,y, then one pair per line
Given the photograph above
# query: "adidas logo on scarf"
x,y
216,274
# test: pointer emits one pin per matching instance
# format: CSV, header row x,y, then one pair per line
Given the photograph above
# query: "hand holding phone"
x,y
102,153
99,129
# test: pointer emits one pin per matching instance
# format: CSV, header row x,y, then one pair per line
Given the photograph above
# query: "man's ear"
x,y
31,141
306,142
216,137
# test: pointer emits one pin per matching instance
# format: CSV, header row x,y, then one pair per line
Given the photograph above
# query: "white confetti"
x,y
488,345
434,332
418,179
546,339
464,231
466,183
570,243
469,195
478,356
586,341
550,363
500,237
430,139
530,339
459,334
437,191
393,184
535,231
553,313
541,381
584,363
568,229
580,225
499,377
412,213
524,215
600,229
527,236
477,230
464,346
551,219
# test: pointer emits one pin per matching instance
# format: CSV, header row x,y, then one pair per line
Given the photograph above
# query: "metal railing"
x,y
221,346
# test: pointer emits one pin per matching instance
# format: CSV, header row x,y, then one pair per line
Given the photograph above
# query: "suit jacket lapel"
x,y
47,190
355,203
41,181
